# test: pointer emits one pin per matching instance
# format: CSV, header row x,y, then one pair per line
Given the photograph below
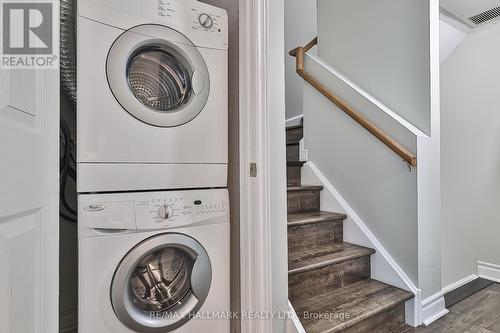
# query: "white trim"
x,y
295,320
294,121
255,222
303,153
396,276
488,271
429,188
433,308
391,113
459,283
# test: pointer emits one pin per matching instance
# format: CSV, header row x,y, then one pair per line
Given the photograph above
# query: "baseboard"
x,y
488,271
464,288
294,121
384,267
433,308
460,283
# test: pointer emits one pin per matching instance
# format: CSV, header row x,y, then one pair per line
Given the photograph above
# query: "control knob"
x,y
206,21
165,212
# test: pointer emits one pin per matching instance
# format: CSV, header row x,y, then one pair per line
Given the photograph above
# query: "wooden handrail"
x,y
299,53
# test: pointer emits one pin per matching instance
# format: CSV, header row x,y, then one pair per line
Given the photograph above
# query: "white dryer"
x,y
154,262
152,95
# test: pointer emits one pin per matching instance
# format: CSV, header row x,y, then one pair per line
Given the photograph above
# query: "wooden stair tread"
x,y
289,128
295,163
304,260
356,302
407,329
304,188
295,219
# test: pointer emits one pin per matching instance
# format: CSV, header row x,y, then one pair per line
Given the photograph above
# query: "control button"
x,y
163,2
162,7
165,212
206,21
163,14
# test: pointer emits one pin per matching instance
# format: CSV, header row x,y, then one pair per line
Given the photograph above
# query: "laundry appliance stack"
x,y
152,147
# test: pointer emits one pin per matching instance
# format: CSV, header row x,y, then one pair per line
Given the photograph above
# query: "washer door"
x,y
161,283
158,76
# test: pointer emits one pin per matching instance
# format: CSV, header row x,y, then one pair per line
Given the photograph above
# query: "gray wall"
x,y
470,129
370,177
300,29
383,46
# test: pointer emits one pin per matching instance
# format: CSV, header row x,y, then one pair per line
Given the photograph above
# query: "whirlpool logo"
x,y
28,35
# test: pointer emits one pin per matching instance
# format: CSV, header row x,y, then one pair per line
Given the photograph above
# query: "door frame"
x,y
263,251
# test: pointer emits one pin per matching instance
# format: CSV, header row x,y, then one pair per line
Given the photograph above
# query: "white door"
x,y
29,199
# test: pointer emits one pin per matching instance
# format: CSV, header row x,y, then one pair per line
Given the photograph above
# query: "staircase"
x,y
329,280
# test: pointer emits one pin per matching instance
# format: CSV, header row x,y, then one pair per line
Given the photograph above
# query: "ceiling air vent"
x,y
474,13
485,16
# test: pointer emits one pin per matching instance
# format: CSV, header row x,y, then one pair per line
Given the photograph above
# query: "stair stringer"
x,y
383,267
293,324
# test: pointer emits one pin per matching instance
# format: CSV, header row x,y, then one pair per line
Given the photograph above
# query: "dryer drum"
x,y
159,79
158,76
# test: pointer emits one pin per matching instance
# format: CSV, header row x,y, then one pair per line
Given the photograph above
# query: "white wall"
x,y
300,29
369,176
383,46
450,38
471,154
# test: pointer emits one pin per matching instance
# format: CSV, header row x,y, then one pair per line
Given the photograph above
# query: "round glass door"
x,y
158,76
161,283
161,280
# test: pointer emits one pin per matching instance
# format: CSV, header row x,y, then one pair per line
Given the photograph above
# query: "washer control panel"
x,y
171,209
152,210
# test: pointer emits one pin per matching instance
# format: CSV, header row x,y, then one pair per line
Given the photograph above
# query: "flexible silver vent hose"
x,y
68,49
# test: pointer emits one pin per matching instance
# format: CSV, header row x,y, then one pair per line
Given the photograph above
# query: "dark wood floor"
x,y
480,313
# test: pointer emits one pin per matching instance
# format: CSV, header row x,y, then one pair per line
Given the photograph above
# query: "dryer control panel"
x,y
201,20
203,24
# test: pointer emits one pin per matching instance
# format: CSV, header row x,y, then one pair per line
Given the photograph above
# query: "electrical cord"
x,y
67,167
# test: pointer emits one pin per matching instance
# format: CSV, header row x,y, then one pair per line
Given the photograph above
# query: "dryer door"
x,y
158,76
161,283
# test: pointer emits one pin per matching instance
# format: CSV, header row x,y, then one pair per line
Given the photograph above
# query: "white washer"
x,y
154,262
152,95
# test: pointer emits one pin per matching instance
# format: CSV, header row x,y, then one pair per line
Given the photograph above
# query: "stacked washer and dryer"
x,y
153,206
